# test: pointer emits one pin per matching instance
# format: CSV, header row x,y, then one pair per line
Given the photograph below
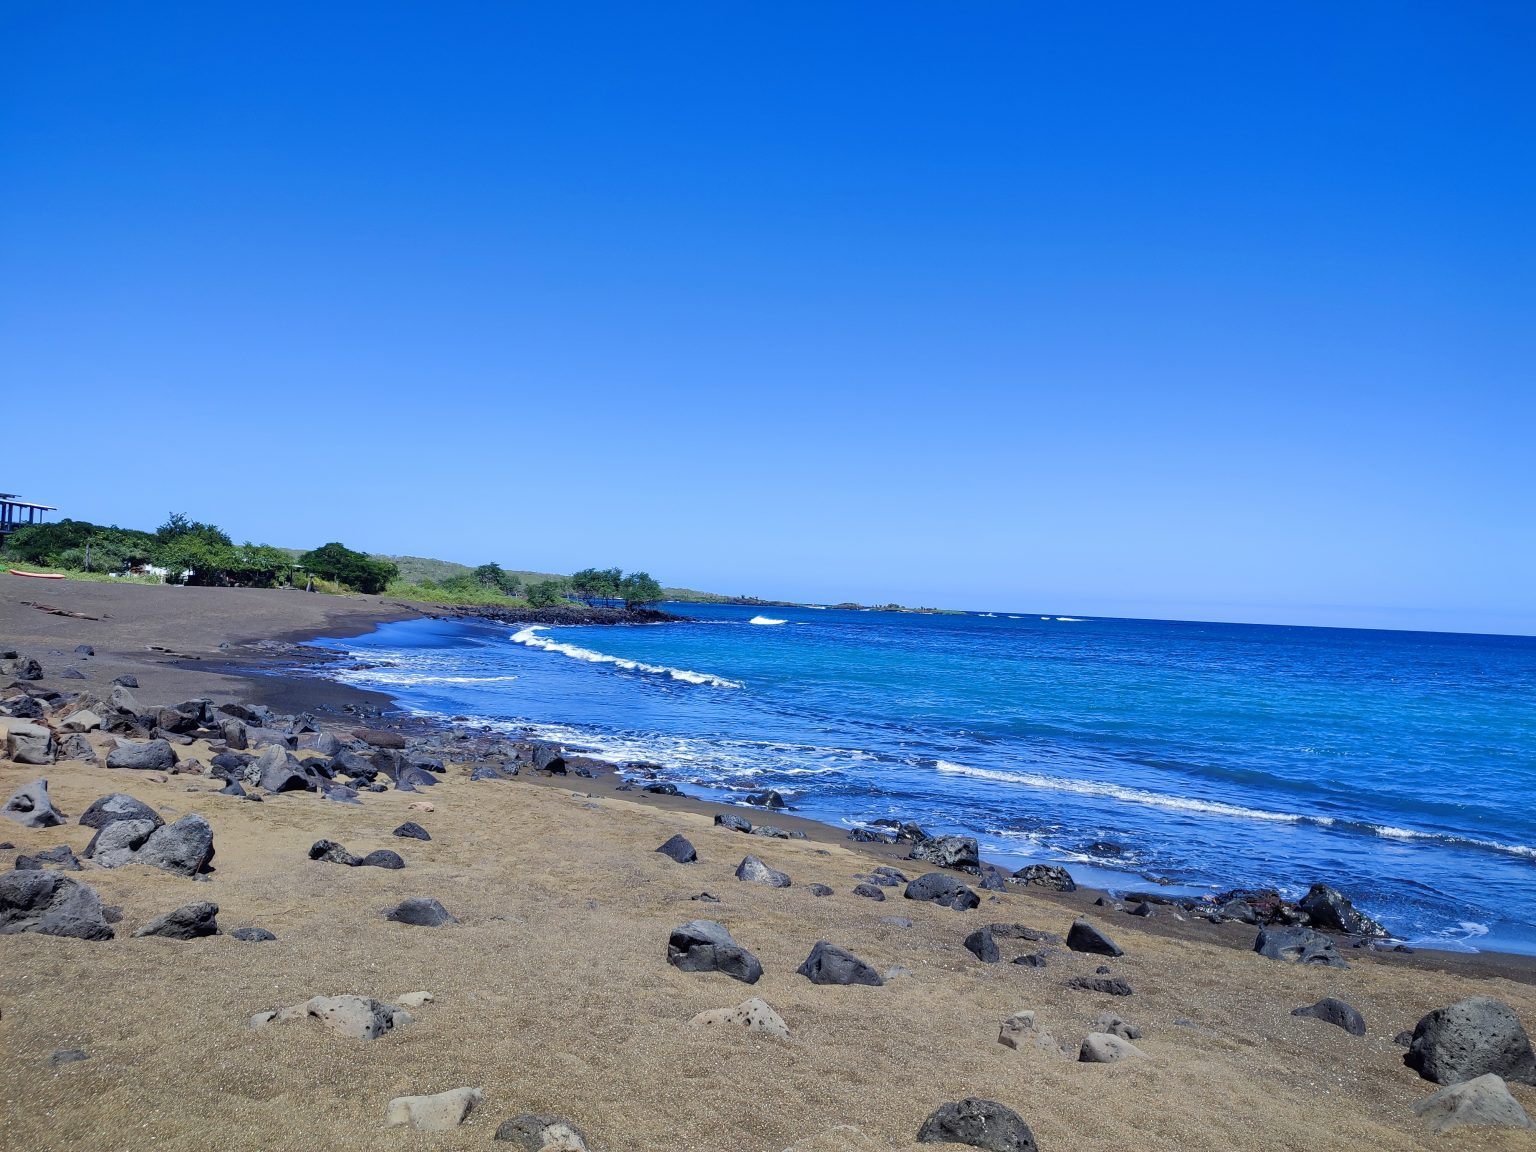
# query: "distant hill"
x,y
416,569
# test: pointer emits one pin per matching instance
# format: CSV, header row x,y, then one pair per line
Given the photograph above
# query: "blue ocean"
x,y
1397,766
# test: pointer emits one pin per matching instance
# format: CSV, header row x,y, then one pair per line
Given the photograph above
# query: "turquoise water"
x,y
1396,766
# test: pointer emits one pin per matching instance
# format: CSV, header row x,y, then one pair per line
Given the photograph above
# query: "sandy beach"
x,y
553,994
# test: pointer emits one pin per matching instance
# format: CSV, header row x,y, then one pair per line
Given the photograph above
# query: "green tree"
x,y
356,570
638,589
492,576
545,594
594,584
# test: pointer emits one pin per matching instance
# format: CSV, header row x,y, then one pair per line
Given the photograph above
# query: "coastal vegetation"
x,y
183,550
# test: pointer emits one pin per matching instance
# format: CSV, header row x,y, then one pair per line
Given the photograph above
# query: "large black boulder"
x,y
937,888
981,945
54,905
979,1124
1085,937
1470,1038
829,964
706,946
679,849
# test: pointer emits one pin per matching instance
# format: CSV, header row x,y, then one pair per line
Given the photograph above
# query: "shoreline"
x,y
222,656
611,781
551,991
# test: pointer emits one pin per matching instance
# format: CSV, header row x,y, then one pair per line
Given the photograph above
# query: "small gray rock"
x,y
754,871
425,913
819,890
68,1056
382,858
188,922
829,964
252,935
1335,1012
534,1133
1483,1101
32,807
706,946
869,891
411,830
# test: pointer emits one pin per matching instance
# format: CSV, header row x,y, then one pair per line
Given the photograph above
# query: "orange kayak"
x,y
37,575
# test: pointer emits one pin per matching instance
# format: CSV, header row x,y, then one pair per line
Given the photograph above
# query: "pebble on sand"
x,y
439,1112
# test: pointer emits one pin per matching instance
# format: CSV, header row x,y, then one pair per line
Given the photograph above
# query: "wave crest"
x,y
530,638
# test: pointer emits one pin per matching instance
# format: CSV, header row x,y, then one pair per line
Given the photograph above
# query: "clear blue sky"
x,y
1214,310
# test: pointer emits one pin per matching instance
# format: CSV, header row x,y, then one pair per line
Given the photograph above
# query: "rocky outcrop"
x,y
1470,1038
355,1017
1107,1048
706,946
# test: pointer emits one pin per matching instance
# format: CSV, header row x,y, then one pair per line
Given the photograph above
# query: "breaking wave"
x,y
530,637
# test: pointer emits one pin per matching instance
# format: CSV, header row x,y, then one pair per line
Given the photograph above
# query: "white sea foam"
x,y
530,637
1118,792
411,679
1070,619
766,620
